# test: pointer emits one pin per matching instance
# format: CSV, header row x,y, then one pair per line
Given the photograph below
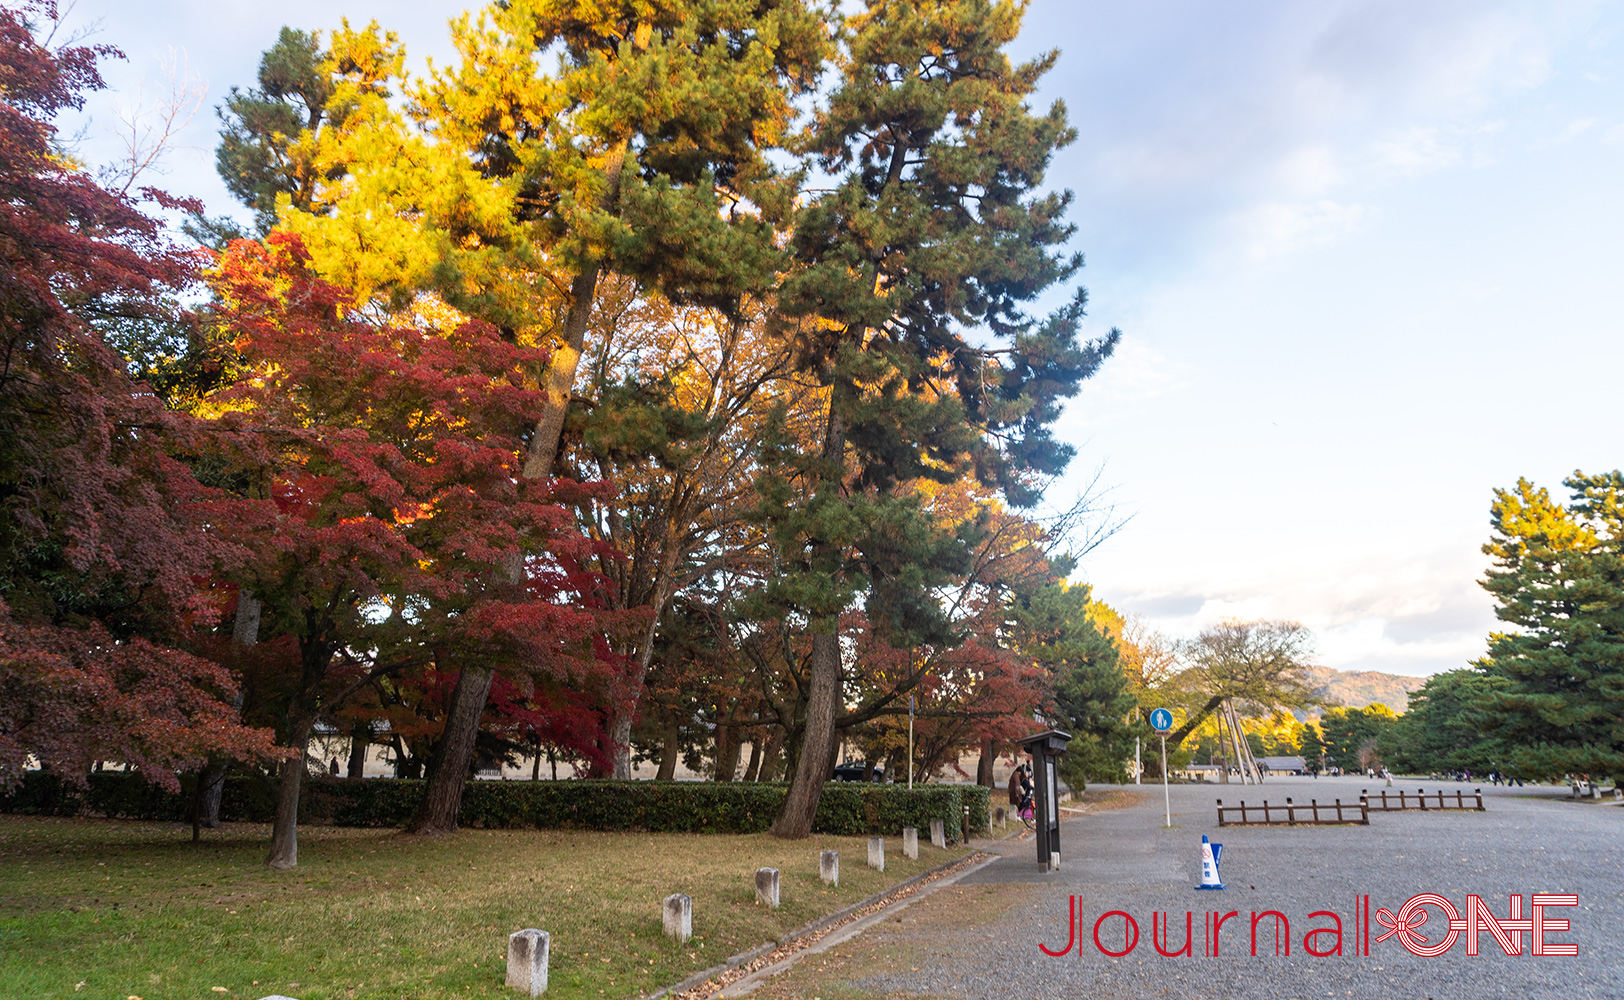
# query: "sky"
x,y
1359,253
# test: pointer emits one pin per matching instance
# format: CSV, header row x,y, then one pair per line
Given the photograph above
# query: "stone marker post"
x,y
527,961
767,887
1002,816
679,917
829,867
938,834
876,853
910,842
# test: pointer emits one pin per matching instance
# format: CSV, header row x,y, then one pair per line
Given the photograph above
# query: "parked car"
x,y
853,771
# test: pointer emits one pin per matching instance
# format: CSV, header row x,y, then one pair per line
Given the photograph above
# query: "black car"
x,y
853,771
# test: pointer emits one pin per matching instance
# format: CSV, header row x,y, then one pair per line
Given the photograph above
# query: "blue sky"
x,y
1366,256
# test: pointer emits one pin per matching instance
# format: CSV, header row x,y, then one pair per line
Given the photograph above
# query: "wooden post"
x,y
1291,813
1221,812
1479,792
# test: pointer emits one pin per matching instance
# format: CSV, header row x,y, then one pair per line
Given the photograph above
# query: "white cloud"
x,y
1137,371
1417,150
1571,131
1276,228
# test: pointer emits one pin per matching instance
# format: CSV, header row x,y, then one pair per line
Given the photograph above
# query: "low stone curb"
x,y
812,929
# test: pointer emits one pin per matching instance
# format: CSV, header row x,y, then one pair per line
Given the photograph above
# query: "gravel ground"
x,y
1529,840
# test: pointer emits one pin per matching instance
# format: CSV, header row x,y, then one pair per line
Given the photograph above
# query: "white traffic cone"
x,y
1210,853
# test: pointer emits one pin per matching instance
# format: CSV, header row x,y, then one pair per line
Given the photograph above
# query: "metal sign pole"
x,y
910,742
1167,799
1138,768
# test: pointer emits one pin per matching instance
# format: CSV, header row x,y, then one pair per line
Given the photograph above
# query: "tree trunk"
x,y
1177,737
670,750
448,765
438,813
753,769
360,740
244,633
285,827
812,759
984,766
770,757
727,753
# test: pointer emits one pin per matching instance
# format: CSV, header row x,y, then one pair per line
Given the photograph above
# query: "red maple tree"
x,y
380,504
100,545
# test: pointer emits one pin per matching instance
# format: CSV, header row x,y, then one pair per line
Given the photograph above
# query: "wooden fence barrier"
x,y
1421,800
1292,814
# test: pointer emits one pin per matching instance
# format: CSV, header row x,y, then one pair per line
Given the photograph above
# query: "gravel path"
x,y
1529,840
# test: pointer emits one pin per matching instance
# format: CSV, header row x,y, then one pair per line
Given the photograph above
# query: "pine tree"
x,y
274,141
907,307
1558,579
1091,694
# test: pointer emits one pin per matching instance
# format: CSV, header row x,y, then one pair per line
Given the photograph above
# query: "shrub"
x,y
844,809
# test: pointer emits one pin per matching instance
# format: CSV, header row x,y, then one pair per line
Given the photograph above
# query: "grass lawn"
x,y
109,909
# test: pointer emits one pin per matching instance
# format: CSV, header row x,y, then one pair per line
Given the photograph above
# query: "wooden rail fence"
x,y
1292,814
1459,800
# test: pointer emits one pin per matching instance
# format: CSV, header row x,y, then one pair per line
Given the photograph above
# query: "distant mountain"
x,y
1358,688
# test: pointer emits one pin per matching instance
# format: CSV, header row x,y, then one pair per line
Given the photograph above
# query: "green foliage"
x,y
845,808
908,303
1443,729
1356,738
1091,694
270,138
1558,580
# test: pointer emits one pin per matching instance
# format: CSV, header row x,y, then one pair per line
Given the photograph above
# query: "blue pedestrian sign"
x,y
1161,720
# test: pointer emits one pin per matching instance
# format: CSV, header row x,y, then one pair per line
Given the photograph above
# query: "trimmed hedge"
x,y
844,809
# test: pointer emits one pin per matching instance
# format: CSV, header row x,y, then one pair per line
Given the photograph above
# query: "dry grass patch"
x,y
135,909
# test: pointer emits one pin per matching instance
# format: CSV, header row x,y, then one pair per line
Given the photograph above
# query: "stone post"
x,y
1001,816
876,853
679,917
527,961
938,834
910,842
829,867
767,887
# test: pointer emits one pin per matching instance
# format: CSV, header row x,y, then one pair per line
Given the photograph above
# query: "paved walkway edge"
x,y
746,984
818,925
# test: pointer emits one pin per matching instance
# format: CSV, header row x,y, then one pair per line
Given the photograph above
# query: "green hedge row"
x,y
845,808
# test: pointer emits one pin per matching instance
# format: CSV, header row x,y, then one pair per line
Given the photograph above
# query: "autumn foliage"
x,y
100,538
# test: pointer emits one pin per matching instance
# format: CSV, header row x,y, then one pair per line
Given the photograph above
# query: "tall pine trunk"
x,y
442,798
814,757
813,760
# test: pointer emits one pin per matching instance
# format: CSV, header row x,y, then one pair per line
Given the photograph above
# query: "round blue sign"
x,y
1161,720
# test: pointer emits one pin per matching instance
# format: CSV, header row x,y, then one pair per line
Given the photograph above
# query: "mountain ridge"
x,y
1361,688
